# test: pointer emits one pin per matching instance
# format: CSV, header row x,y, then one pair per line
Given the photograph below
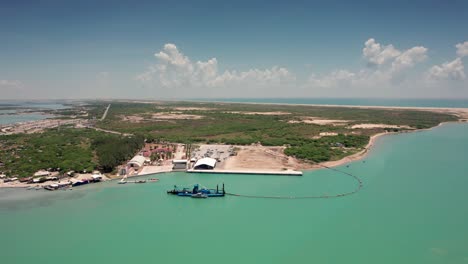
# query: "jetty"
x,y
255,172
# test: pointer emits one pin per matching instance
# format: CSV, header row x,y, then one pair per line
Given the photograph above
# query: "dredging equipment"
x,y
197,192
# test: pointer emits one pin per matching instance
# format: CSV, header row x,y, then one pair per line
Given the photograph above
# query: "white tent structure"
x,y
136,162
205,164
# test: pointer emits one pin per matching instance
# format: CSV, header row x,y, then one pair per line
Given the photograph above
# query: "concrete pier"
x,y
255,172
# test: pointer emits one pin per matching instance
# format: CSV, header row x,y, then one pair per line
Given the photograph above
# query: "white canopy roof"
x,y
205,161
137,160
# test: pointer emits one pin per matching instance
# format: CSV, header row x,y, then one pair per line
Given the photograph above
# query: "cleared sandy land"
x,y
328,134
132,118
258,113
320,121
175,116
370,126
258,158
193,109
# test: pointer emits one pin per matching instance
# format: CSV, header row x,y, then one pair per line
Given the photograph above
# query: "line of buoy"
x,y
358,188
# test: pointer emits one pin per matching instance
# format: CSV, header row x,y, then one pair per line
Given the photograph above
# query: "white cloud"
x,y
409,58
335,78
175,70
453,70
176,75
389,72
379,54
462,49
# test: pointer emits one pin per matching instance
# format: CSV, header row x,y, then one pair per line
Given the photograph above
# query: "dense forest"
x,y
65,149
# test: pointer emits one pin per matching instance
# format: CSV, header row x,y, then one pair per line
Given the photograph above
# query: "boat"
x,y
96,176
123,180
51,187
80,182
140,181
56,186
197,192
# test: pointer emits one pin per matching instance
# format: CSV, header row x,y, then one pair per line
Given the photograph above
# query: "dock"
x,y
255,172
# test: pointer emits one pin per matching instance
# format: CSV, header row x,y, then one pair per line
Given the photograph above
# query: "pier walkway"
x,y
255,172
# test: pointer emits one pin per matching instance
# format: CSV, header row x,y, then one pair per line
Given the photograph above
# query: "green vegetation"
x,y
65,149
327,148
113,150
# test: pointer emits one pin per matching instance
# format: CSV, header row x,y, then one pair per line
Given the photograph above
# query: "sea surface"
x,y
412,209
15,114
451,103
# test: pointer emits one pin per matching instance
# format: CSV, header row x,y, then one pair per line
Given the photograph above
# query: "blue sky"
x,y
87,49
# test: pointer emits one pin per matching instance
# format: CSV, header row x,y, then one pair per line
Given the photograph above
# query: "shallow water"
x,y
8,116
16,118
411,210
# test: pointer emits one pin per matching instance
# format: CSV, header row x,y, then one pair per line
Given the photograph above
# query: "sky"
x,y
218,49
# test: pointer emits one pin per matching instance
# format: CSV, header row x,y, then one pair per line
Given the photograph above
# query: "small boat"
x,y
51,187
153,180
140,181
199,195
123,180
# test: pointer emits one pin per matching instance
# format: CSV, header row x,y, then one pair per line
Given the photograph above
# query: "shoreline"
x,y
363,153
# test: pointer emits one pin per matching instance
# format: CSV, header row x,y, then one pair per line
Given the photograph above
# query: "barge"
x,y
197,192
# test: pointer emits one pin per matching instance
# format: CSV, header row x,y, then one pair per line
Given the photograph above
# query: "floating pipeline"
x,y
357,189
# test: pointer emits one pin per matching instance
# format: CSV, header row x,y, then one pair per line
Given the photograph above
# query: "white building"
x,y
179,164
137,162
205,164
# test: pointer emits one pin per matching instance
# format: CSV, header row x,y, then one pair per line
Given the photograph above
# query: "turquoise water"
x,y
8,116
11,119
412,209
452,103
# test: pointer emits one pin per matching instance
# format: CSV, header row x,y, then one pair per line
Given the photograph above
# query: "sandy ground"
x,y
258,158
132,118
193,108
370,126
175,116
325,134
319,121
259,113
